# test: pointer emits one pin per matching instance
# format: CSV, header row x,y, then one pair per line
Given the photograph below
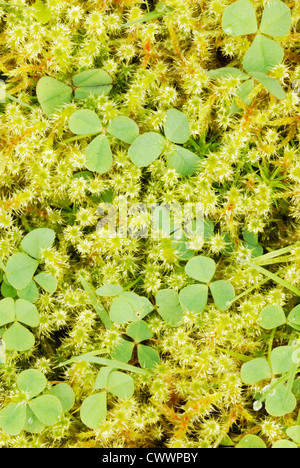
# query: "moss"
x,y
249,178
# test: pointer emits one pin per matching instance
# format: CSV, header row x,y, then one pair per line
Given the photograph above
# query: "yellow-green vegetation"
x,y
149,341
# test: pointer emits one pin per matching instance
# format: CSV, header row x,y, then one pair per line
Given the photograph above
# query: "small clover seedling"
x,y
17,337
20,289
282,360
53,94
203,269
130,307
149,146
126,306
36,411
264,53
94,408
193,298
139,331
144,149
251,243
18,278
98,154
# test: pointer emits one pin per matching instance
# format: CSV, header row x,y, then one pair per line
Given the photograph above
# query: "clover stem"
x,y
129,286
78,137
274,277
12,98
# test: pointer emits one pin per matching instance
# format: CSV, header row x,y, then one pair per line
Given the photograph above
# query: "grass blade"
x,y
102,313
89,357
274,277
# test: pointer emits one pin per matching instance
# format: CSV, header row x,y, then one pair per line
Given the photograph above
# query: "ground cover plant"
x,y
121,120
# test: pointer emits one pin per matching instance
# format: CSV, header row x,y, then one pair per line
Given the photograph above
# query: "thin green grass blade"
x,y
96,304
274,278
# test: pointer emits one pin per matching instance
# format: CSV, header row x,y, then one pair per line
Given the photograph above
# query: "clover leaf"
x,y
85,121
264,53
94,408
280,398
276,19
18,279
147,147
123,128
203,269
139,331
272,316
194,297
293,318
37,241
129,306
17,337
239,19
168,306
52,94
20,269
255,370
251,441
37,411
98,154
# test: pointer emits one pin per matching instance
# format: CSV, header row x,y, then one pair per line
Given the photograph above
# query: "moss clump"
x,y
248,179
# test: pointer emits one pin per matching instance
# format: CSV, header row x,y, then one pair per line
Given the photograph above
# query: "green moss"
x,y
248,181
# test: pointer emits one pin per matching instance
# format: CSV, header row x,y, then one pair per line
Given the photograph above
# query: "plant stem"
x,y
13,5
272,386
292,375
239,356
78,137
96,304
274,254
2,266
129,286
270,348
249,291
298,419
194,144
273,261
106,362
274,277
12,98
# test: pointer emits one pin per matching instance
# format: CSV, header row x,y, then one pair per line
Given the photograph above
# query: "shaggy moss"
x,y
249,179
